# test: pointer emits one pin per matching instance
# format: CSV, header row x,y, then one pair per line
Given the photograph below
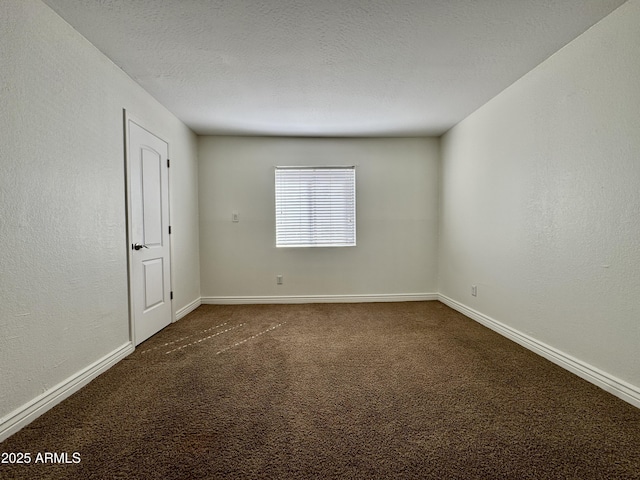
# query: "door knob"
x,y
137,246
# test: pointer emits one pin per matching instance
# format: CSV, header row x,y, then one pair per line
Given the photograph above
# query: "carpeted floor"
x,y
371,391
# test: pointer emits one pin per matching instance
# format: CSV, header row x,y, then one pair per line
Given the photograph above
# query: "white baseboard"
x,y
392,297
33,409
49,399
621,389
184,311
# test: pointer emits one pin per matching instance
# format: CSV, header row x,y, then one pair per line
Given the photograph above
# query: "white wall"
x,y
63,261
183,195
397,193
540,202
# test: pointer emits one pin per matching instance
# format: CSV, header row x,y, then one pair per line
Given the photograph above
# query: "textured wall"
x,y
63,261
541,199
396,182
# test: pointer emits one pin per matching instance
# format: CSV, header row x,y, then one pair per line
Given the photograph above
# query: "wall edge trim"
x,y
618,387
31,410
187,309
390,297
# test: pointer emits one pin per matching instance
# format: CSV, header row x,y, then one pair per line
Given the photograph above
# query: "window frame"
x,y
308,240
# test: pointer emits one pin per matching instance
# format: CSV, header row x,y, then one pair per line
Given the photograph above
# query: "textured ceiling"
x,y
328,67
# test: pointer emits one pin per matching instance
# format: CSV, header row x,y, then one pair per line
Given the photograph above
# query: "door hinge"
x,y
168,163
169,229
171,296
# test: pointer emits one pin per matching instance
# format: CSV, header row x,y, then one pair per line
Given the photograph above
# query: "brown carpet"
x,y
372,391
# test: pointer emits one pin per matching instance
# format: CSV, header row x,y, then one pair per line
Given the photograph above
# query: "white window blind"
x,y
315,206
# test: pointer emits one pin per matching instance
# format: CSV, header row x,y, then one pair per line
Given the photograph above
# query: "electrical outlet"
x,y
235,218
474,290
279,279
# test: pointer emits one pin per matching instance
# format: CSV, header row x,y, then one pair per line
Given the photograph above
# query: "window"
x,y
315,206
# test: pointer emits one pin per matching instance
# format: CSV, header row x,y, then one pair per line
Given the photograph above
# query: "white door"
x,y
150,283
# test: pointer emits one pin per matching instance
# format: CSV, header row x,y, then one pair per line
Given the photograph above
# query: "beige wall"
x,y
396,183
63,261
541,199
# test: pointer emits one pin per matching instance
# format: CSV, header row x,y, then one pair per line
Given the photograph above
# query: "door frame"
x,y
126,118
